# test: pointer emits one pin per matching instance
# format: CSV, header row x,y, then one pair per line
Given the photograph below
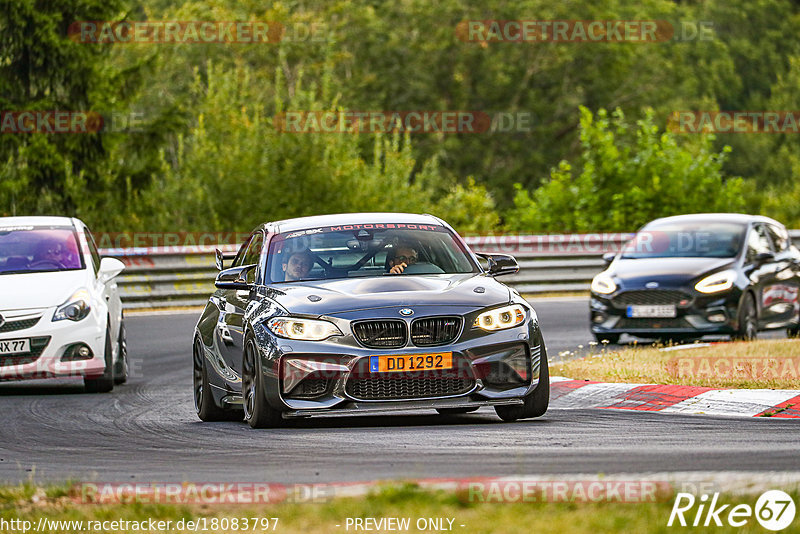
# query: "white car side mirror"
x,y
109,268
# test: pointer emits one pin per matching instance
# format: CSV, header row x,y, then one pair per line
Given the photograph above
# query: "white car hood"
x,y
39,290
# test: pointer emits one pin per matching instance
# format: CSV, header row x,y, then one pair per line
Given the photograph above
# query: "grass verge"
x,y
29,503
766,364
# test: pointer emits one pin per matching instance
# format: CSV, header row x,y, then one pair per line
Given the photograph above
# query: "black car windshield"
x,y
30,249
362,250
704,239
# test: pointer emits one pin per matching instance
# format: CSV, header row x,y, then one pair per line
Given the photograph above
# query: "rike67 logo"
x,y
774,510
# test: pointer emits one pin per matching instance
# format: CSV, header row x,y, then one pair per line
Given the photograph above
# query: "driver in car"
x,y
298,266
402,257
52,252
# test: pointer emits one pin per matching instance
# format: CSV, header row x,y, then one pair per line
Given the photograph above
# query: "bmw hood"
x,y
39,290
665,271
331,297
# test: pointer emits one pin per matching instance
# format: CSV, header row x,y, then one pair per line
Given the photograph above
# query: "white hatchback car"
x,y
60,311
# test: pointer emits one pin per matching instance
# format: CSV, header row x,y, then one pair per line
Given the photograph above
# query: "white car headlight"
x,y
603,284
303,329
500,318
76,308
721,281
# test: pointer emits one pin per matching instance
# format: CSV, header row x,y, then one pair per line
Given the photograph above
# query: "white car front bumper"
x,y
49,342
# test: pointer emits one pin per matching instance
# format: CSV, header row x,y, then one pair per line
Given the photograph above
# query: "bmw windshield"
x,y
30,249
363,250
704,239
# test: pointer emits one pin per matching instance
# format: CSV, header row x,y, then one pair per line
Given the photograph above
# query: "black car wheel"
x,y
257,412
105,382
748,320
456,411
536,402
611,339
121,367
204,405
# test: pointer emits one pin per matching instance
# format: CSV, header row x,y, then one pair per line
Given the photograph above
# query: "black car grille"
x,y
435,331
13,326
383,334
653,297
38,344
364,385
653,324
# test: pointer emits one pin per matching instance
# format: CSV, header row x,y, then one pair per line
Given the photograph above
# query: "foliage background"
x,y
208,157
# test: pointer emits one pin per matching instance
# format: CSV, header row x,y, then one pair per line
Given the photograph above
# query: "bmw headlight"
x,y
303,329
721,281
76,308
500,318
603,284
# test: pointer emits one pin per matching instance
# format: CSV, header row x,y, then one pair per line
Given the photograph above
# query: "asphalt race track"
x,y
147,431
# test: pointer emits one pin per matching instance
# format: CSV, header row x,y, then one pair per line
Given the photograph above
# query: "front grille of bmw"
x,y
392,333
38,344
365,385
652,297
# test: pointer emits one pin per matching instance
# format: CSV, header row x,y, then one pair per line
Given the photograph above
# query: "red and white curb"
x,y
779,403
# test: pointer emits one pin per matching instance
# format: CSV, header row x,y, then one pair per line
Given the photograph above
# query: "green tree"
x,y
629,174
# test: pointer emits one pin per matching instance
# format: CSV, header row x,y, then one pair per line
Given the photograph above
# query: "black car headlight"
x,y
500,318
603,284
303,329
76,308
717,282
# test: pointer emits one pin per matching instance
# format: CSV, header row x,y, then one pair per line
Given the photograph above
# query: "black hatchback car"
x,y
364,313
688,276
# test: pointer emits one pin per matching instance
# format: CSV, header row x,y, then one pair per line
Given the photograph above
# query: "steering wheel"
x,y
46,263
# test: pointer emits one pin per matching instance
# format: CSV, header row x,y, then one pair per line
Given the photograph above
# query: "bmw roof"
x,y
301,223
36,221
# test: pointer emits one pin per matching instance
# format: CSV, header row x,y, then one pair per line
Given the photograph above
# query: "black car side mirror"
x,y
500,264
235,278
608,257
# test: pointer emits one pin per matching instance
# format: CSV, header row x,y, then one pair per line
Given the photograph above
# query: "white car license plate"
x,y
652,311
15,346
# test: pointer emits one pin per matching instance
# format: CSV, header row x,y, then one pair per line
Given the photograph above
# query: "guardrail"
x,y
184,276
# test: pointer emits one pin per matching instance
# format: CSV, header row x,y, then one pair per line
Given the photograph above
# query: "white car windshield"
x,y
29,249
708,239
363,250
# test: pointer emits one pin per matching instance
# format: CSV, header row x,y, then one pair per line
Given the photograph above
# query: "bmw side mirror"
x,y
109,268
500,264
608,257
235,278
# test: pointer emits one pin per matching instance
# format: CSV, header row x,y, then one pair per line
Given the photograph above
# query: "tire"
x,y
207,410
748,320
536,402
455,411
257,412
612,339
121,366
105,382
